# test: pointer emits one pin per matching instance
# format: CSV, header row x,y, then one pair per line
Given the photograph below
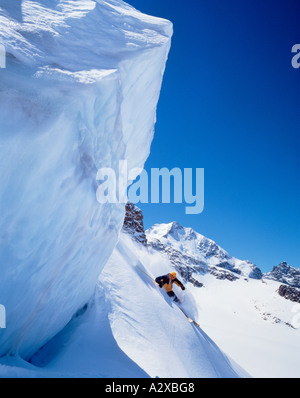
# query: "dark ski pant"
x,y
172,294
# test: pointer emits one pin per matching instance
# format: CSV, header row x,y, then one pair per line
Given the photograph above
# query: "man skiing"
x,y
166,281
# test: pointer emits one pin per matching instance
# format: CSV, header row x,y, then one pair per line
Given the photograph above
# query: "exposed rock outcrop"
x,y
133,223
289,293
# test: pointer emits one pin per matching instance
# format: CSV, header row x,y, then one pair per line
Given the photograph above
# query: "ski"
x,y
189,318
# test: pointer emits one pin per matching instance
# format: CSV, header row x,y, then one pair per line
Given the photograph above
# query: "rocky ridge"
x,y
286,274
133,223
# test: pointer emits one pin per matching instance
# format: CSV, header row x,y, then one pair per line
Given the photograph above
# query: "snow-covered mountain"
x,y
79,93
286,274
290,279
193,254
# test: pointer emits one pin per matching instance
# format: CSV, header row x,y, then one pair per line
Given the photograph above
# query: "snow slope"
x,y
253,324
130,329
148,327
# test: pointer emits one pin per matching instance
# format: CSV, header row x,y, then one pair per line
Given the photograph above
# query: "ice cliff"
x,y
79,92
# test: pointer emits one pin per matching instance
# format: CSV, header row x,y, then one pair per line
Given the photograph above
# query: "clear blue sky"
x,y
230,104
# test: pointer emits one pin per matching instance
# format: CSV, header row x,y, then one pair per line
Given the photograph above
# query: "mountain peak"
x,y
176,225
283,266
186,247
176,230
173,231
285,273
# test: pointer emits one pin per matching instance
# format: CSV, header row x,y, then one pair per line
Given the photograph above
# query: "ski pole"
x,y
146,274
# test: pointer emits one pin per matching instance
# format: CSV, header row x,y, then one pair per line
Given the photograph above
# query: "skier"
x,y
166,282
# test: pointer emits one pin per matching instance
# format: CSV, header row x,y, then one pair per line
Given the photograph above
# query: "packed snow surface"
x,y
79,93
